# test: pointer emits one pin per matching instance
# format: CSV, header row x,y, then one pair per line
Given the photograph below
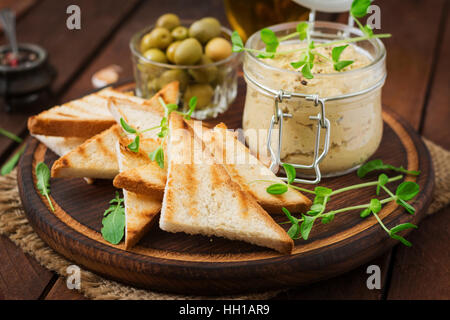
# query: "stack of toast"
x,y
204,186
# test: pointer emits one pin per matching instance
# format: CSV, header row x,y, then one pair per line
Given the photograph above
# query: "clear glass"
x,y
354,112
217,95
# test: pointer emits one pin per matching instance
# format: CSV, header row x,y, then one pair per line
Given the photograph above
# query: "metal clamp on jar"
x,y
293,111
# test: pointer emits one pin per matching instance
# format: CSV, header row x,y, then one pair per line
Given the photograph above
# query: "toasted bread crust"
x,y
67,128
222,181
63,164
271,203
43,124
126,180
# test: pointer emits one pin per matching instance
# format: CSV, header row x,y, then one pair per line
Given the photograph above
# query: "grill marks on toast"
x,y
223,143
141,211
223,208
145,176
95,158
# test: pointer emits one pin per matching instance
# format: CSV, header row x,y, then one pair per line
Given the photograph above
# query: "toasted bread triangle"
x,y
247,170
84,117
143,176
201,198
95,158
60,145
140,210
138,116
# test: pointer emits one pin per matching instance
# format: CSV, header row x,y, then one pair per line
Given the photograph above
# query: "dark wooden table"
x,y
417,88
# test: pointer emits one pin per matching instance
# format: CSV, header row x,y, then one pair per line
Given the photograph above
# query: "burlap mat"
x,y
15,226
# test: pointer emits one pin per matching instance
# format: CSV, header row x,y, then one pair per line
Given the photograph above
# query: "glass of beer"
x,y
250,16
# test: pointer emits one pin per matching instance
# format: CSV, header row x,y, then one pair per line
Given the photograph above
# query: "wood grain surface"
x,y
421,21
182,263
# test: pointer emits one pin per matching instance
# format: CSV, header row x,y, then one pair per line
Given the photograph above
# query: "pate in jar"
x,y
350,100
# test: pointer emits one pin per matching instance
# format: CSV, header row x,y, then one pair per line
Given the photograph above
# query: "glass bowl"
x,y
214,97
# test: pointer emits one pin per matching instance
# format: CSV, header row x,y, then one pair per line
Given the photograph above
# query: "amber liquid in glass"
x,y
249,16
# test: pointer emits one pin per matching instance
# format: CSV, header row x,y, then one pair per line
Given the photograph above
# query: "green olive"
x,y
155,55
205,29
159,38
169,21
188,52
174,75
218,49
204,93
180,33
145,43
205,74
154,86
170,52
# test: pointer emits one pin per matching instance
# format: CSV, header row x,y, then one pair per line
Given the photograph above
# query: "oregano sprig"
x,y
43,182
114,221
157,155
306,63
301,227
377,164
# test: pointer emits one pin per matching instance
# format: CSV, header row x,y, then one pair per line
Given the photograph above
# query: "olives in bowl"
x,y
197,54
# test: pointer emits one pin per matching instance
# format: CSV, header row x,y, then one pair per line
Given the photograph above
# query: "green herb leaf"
x,y
407,190
171,107
302,29
277,188
382,180
378,164
290,172
43,182
327,218
192,106
290,217
375,205
306,71
127,127
10,135
293,231
158,156
401,239
237,44
114,221
11,164
402,227
406,205
134,146
337,51
266,55
164,131
306,226
365,213
270,39
315,209
298,64
359,8
338,66
321,193
367,30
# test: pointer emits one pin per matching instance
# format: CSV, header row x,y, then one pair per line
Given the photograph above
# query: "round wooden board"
x,y
185,264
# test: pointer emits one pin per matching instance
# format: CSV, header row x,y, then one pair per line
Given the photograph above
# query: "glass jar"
x,y
349,101
214,84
